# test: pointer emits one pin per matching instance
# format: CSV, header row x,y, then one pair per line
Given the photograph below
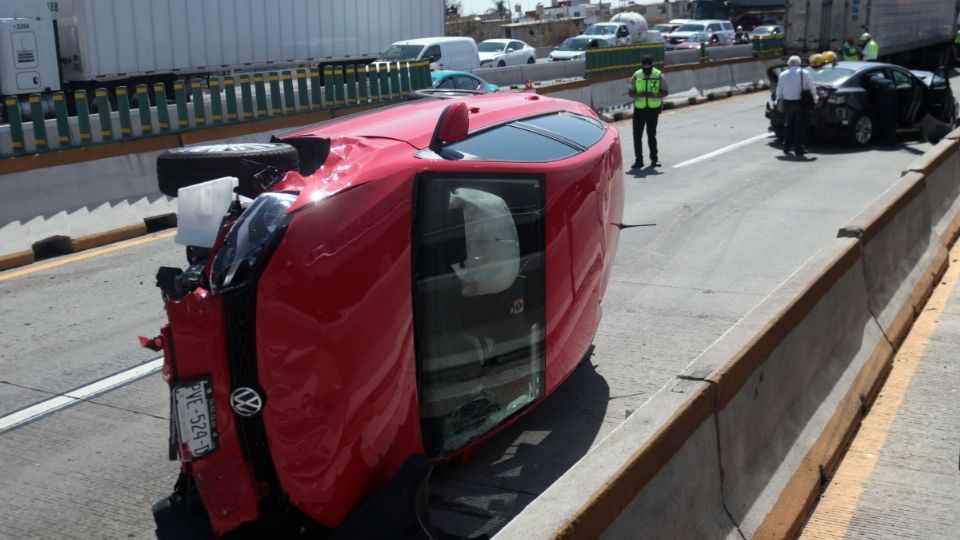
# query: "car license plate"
x,y
195,418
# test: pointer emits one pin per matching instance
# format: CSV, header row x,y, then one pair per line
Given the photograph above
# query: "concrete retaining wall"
x,y
786,389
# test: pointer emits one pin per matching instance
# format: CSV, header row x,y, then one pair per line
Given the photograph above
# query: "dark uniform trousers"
x,y
645,118
794,124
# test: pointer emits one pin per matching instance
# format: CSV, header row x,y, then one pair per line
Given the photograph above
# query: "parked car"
x,y
374,299
708,40
611,33
575,48
441,52
767,31
461,80
844,109
687,30
505,52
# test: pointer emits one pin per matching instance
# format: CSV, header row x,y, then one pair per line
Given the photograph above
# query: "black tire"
x,y
531,60
191,165
501,63
863,130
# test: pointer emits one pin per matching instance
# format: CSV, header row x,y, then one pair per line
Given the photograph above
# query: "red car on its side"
x,y
385,291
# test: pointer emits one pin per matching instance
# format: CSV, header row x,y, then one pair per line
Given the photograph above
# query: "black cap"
x,y
647,61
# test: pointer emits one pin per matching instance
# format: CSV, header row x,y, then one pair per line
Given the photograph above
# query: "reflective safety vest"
x,y
650,85
871,50
848,52
957,38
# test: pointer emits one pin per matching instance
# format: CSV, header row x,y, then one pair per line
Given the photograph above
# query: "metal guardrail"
x,y
622,59
768,47
291,92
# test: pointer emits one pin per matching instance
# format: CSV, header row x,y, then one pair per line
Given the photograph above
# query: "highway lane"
x,y
728,230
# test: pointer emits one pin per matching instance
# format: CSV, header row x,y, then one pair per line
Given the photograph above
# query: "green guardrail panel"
x,y
180,95
12,105
143,105
289,103
351,76
373,75
123,111
316,99
338,96
259,86
83,117
103,111
395,92
163,114
303,94
383,76
230,92
276,100
328,99
363,83
63,119
216,105
39,126
246,97
199,109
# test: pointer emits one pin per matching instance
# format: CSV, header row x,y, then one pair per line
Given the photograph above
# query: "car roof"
x,y
414,122
431,40
446,72
498,40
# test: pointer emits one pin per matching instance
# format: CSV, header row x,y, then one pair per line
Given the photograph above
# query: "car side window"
x,y
479,303
902,80
447,83
466,83
432,54
727,26
713,27
516,45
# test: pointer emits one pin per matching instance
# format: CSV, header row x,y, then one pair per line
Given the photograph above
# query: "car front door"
x,y
939,100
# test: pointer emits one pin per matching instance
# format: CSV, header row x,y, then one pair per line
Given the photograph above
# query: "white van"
x,y
457,53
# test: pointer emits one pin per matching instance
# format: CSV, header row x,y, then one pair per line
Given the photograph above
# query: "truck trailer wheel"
x,y
191,165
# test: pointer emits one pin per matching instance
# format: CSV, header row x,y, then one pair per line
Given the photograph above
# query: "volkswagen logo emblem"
x,y
246,401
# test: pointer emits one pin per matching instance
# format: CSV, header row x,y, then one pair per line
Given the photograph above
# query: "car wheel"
x,y
863,130
531,60
501,63
182,167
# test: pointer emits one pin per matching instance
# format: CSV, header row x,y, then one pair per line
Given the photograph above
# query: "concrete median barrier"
x,y
941,170
904,255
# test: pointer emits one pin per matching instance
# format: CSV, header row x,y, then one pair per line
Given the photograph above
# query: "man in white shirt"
x,y
790,86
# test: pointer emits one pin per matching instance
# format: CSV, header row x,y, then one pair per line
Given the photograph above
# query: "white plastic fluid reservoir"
x,y
200,210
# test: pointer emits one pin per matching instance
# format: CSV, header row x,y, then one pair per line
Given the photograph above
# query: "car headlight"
x,y
242,248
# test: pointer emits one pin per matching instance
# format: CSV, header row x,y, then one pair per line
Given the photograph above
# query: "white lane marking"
x,y
91,390
723,150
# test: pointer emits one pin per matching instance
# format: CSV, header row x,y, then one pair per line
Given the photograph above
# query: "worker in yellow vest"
x,y
848,51
647,88
869,49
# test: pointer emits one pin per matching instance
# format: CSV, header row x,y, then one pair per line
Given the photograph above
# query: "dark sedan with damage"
x,y
845,104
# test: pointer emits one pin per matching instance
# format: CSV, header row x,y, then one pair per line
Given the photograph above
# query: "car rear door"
x,y
909,97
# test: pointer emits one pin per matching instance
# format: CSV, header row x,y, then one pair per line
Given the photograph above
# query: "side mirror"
x,y
452,126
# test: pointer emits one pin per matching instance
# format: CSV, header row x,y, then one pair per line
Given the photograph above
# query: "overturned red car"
x,y
378,293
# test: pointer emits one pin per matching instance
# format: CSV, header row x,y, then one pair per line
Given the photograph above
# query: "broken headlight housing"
x,y
251,234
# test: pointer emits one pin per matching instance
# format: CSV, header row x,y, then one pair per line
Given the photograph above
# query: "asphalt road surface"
x,y
728,229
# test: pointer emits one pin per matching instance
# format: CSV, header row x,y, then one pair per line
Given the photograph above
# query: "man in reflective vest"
x,y
648,88
848,51
869,48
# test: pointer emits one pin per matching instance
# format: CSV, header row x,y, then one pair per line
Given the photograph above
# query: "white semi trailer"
x,y
68,45
908,31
